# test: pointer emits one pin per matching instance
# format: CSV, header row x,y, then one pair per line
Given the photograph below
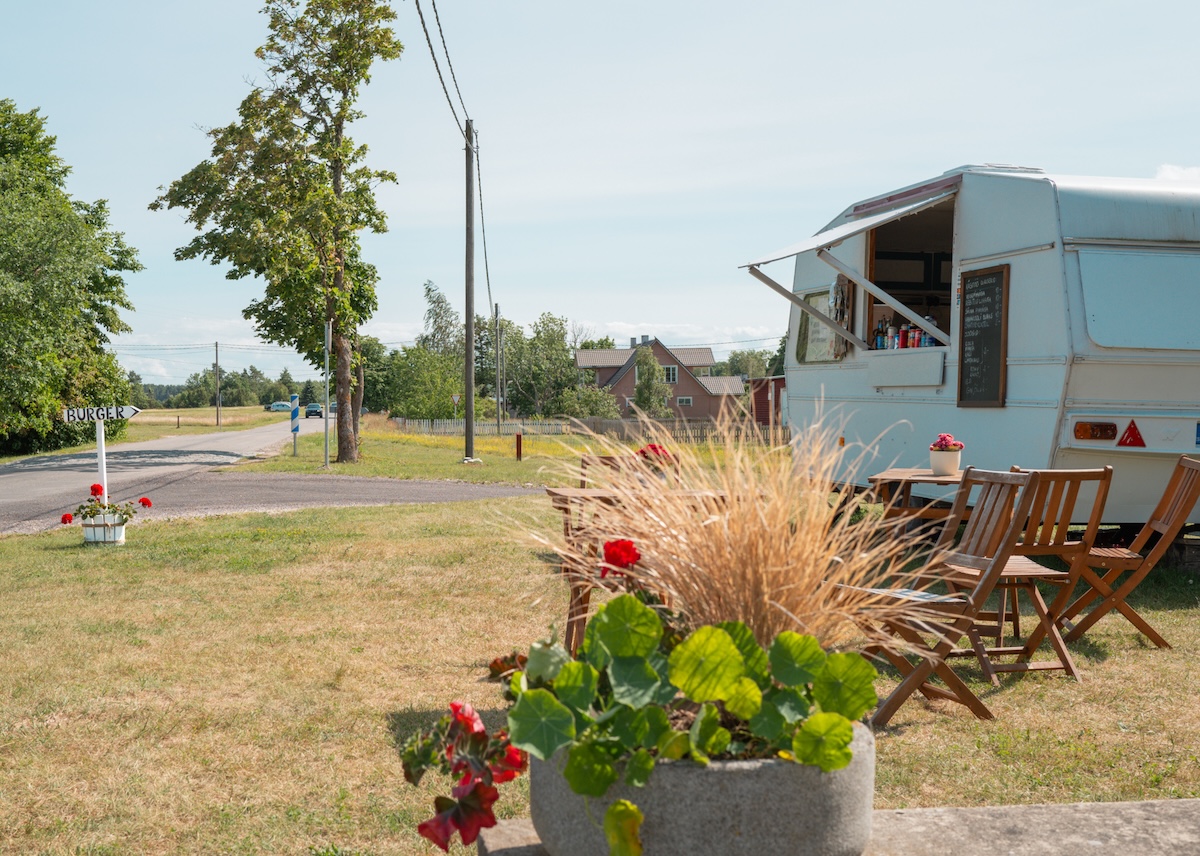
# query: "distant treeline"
x,y
238,389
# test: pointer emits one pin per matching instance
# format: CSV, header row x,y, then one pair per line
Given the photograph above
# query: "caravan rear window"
x,y
1141,298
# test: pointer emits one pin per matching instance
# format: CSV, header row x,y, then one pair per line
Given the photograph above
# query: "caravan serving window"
x,y
911,259
815,342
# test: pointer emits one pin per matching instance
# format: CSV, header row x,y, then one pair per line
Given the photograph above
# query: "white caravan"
x,y
1044,320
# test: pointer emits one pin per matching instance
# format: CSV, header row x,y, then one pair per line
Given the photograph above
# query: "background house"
x,y
694,393
766,399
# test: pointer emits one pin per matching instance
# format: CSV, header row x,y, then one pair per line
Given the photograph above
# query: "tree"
x,y
285,194
422,382
376,365
139,395
777,363
308,393
540,366
582,402
605,343
748,363
651,392
61,290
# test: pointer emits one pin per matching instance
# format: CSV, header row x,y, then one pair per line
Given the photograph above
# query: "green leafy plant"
x,y
95,506
631,699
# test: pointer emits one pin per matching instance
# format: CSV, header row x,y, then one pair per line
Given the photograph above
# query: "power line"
x,y
446,51
438,68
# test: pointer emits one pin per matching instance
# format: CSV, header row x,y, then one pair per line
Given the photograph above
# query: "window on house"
x,y
672,373
684,401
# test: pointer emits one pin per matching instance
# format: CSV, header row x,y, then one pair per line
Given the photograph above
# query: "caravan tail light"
x,y
1095,430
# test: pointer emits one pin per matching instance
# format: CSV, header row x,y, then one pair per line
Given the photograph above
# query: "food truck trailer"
x,y
1043,320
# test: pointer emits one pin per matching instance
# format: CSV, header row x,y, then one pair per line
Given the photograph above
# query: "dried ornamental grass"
x,y
739,529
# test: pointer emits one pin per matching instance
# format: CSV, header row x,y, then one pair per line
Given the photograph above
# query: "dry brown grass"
x,y
232,685
742,530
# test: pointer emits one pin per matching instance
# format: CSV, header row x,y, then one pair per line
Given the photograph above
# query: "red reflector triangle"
x,y
1132,436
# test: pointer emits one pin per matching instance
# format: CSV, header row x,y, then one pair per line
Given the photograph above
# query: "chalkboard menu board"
x,y
983,337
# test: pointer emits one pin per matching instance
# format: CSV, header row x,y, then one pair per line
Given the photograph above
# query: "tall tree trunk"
x,y
347,445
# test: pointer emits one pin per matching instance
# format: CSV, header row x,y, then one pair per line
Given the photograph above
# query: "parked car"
x,y
280,407
313,409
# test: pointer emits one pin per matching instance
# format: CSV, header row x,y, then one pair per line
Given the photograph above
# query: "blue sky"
x,y
633,154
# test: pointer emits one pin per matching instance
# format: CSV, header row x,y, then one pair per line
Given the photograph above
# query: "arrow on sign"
x,y
100,414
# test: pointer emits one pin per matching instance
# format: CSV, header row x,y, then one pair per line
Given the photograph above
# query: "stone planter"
x,y
945,463
734,808
105,530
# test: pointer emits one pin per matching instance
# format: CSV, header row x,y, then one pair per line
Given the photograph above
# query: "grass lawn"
x,y
384,451
232,685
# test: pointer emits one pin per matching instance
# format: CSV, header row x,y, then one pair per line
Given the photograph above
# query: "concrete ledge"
x,y
1094,829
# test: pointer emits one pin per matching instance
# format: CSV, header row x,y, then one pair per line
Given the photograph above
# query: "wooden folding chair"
x,y
576,521
1045,532
932,625
1104,566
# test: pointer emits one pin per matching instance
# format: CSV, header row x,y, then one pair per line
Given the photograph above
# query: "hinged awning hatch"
x,y
822,241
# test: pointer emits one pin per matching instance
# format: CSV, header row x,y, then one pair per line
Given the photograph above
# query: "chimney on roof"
x,y
645,340
632,342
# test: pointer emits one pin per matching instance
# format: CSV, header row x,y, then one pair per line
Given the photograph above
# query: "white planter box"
x,y
104,530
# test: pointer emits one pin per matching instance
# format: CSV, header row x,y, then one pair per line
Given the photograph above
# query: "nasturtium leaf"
x,y
545,660
576,684
638,768
824,741
757,666
590,769
791,702
629,727
795,659
517,684
707,665
846,685
657,724
706,735
634,681
746,699
626,627
768,723
673,745
540,724
666,690
592,651
622,829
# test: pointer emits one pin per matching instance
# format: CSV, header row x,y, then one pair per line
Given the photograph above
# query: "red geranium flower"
x,y
469,811
145,502
508,767
466,717
620,554
97,490
67,518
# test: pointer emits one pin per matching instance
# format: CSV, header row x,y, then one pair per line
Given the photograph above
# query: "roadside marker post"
x,y
100,415
295,421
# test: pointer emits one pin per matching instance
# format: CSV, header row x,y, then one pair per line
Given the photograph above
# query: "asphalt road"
x,y
179,475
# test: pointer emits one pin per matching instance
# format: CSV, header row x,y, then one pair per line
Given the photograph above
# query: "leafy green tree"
x,y
308,393
376,364
61,290
651,392
286,195
776,365
582,402
604,344
540,366
139,394
422,382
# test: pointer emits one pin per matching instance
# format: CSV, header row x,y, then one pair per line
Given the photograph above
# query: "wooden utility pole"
x,y
469,309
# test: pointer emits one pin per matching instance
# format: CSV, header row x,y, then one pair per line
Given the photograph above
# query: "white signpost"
x,y
100,415
455,397
295,422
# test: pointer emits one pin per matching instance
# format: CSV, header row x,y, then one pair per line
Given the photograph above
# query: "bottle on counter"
x,y
902,341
